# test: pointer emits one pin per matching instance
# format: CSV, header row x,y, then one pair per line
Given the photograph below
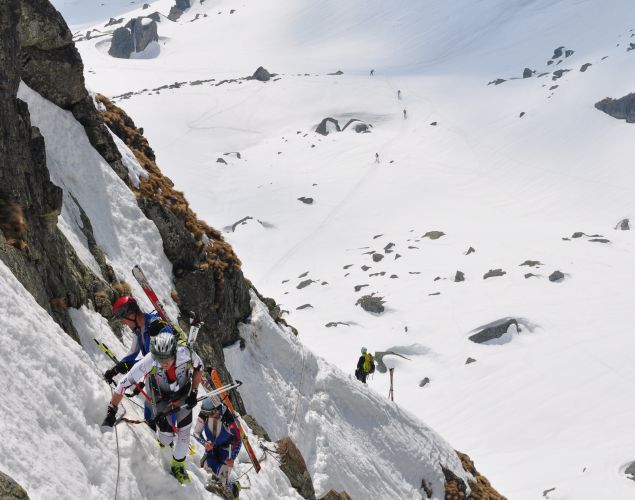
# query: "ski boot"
x,y
235,488
179,472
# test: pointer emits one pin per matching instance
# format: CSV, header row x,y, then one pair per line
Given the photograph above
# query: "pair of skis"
x,y
220,389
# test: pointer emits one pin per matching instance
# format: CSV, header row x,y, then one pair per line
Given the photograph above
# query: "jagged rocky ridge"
x,y
36,47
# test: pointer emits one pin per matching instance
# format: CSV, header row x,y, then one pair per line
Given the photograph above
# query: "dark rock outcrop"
x,y
144,31
262,75
9,489
557,53
556,276
492,273
122,44
51,65
622,108
459,276
527,73
371,303
494,330
323,127
135,36
177,10
360,127
623,225
31,245
481,489
434,235
293,465
531,263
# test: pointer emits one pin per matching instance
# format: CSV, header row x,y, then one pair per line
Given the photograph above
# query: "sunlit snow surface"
x,y
551,408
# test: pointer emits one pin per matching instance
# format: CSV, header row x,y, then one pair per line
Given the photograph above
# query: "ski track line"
x,y
345,199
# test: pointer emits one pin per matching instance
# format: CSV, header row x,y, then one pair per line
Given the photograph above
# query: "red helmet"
x,y
125,306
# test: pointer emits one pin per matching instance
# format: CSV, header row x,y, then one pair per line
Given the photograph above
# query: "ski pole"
x,y
112,356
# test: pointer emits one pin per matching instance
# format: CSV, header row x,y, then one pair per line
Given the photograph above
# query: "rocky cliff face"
x,y
30,243
36,46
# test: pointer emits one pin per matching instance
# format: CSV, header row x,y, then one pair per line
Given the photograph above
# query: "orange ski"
x,y
250,451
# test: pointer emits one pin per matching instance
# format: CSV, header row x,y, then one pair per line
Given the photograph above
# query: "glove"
x,y
191,399
109,375
111,415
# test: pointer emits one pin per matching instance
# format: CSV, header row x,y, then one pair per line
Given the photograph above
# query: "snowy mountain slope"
x,y
291,392
534,411
128,464
53,446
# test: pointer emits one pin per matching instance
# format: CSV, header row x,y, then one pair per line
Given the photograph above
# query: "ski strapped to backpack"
x,y
140,276
221,392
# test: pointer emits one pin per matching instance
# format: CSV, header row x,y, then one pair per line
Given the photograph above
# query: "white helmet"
x,y
364,350
163,346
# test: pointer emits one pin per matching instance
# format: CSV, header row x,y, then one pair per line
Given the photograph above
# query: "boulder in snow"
x,y
262,75
494,330
433,235
377,257
371,303
493,273
122,44
328,125
623,225
556,276
622,108
359,126
144,31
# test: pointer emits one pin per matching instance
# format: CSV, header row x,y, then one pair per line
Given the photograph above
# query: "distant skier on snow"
x,y
217,430
143,326
404,114
174,374
376,157
372,72
399,94
365,366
